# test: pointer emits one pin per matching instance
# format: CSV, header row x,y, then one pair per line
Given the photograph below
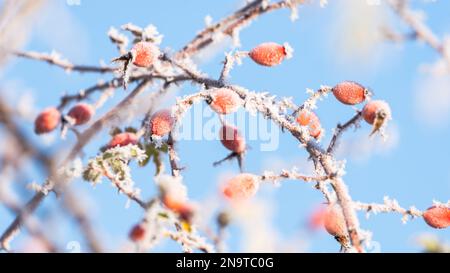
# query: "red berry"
x,y
225,101
144,54
232,139
335,221
123,139
81,113
137,233
268,54
308,118
161,123
437,217
350,93
372,108
47,121
241,187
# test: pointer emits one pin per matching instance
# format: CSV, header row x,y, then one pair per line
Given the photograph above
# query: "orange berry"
x,y
137,233
437,217
350,93
372,108
172,203
161,123
144,54
225,101
310,119
123,139
232,139
47,121
335,221
241,187
81,113
268,54
317,218
184,209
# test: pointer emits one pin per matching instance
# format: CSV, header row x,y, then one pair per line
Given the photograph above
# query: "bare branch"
x,y
340,129
55,59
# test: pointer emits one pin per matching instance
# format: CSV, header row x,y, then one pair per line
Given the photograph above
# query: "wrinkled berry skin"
x,y
310,119
437,217
144,54
350,93
137,233
123,139
268,54
232,139
81,113
47,121
241,187
225,101
161,123
372,108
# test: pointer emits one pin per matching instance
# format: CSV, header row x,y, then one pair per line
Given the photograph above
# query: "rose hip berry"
x,y
137,233
225,101
268,54
335,222
144,54
241,187
437,217
47,121
350,93
372,108
310,119
81,113
377,113
232,139
123,139
161,123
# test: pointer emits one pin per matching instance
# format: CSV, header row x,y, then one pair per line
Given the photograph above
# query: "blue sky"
x,y
412,167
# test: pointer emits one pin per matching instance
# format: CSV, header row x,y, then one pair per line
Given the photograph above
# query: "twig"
x,y
340,129
55,59
422,31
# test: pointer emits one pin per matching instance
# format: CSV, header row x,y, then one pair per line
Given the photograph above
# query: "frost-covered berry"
x,y
81,113
161,123
310,119
335,222
123,139
350,93
372,108
268,54
377,113
144,54
225,101
47,121
232,139
137,233
241,187
173,202
437,217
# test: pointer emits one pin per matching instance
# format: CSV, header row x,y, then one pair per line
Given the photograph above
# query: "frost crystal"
x,y
172,186
289,50
114,164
